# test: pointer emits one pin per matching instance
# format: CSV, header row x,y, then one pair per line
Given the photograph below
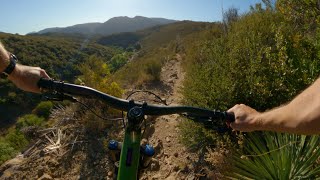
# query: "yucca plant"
x,y
268,155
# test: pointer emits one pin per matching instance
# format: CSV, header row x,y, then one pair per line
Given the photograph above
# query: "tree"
x,y
231,15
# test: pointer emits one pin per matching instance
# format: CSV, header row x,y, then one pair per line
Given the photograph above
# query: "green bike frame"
x,y
130,152
130,155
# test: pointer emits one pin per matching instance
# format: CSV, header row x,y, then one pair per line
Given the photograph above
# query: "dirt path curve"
x,y
172,160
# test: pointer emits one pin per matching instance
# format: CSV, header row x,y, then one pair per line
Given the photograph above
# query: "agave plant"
x,y
268,155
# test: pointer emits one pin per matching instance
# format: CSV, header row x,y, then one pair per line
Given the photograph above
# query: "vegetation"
x,y
11,144
15,140
262,58
43,109
29,120
277,156
157,45
124,40
59,56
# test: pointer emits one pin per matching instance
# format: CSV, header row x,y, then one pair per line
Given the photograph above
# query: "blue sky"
x,y
24,16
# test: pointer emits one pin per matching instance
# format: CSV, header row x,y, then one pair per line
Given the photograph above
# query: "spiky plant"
x,y
268,155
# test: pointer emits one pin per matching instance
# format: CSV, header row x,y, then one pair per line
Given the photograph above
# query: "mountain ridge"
x,y
113,25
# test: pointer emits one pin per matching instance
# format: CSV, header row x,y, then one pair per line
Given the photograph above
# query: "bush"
x,y
43,109
16,139
29,120
6,151
11,144
96,74
153,69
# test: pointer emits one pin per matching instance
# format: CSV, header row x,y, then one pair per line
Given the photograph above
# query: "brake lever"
x,y
209,122
59,97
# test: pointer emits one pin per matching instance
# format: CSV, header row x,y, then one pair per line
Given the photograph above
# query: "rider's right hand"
x,y
246,118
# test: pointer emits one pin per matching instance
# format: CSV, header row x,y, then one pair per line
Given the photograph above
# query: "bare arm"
x,y
24,77
300,116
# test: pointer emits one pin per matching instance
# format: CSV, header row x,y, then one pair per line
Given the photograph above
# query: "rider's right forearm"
x,y
300,116
4,58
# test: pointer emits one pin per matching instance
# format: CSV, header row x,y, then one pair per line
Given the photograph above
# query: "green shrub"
x,y
43,109
16,139
29,120
6,151
11,144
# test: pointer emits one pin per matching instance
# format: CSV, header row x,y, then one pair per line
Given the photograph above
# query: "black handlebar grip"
x,y
45,83
230,117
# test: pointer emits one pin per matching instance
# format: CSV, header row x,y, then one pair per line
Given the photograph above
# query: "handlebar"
x,y
121,104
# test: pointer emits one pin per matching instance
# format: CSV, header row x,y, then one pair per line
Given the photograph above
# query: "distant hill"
x,y
153,36
113,25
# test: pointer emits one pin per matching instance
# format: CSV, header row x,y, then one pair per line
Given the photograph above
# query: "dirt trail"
x,y
172,160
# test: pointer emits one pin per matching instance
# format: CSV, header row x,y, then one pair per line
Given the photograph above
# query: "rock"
x,y
176,154
171,177
110,174
212,175
158,147
45,177
40,171
174,75
191,177
155,165
168,139
42,153
170,81
157,176
144,142
176,168
53,163
169,160
165,154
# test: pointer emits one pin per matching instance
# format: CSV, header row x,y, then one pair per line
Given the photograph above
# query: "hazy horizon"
x,y
23,17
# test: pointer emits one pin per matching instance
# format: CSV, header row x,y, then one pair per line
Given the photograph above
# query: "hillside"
x,y
113,25
158,44
60,57
153,36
